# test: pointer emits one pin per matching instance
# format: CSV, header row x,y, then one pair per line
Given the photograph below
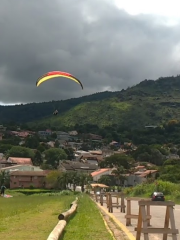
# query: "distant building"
x,y
71,166
94,137
100,172
73,133
46,133
20,168
25,179
63,136
20,161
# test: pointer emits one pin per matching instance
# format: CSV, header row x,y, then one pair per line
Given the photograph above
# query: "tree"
x,y
5,147
18,151
63,180
56,144
42,147
32,142
84,179
52,178
117,160
120,174
53,135
73,179
70,153
53,155
105,179
37,160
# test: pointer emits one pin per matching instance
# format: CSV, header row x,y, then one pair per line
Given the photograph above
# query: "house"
x,y
73,133
88,157
94,137
115,144
51,144
63,136
139,177
71,166
100,172
74,145
20,168
46,133
20,161
21,134
95,152
107,152
26,179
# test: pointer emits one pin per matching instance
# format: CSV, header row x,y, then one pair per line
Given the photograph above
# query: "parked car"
x,y
157,196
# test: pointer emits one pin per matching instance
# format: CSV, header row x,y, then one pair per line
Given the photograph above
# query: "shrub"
x,y
145,189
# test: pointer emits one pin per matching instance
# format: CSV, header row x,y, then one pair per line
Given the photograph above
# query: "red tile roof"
x,y
99,171
20,160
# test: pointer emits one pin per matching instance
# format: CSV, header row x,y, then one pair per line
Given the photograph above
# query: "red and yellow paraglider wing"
x,y
54,74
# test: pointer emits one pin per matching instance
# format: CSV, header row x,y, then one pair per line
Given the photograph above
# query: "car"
x,y
157,196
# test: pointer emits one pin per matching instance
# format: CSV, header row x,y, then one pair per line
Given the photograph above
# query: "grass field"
x,y
34,216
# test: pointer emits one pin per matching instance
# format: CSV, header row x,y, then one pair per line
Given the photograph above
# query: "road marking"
x,y
121,225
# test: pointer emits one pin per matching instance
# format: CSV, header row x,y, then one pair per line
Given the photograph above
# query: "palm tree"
x,y
119,175
73,178
63,180
84,179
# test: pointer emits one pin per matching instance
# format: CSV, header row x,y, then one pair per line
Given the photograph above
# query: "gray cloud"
x,y
104,47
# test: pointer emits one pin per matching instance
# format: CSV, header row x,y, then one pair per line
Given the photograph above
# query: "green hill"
x,y
148,103
24,113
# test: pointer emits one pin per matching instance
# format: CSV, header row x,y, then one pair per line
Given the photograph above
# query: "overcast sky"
x,y
107,45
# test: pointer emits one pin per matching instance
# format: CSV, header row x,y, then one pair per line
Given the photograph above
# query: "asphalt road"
x,y
157,220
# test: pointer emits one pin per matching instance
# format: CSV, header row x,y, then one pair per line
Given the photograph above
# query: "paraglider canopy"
x,y
54,74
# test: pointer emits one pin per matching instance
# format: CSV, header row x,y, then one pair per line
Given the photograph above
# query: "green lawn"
x,y
87,223
34,217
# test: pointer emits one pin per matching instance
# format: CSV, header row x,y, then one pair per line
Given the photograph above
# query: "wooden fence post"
x,y
142,226
130,216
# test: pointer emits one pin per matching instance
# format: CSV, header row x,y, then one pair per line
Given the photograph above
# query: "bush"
x,y
169,189
31,191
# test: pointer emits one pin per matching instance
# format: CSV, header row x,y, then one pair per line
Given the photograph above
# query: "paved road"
x,y
157,213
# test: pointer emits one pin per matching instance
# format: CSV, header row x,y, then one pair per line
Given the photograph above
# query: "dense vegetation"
x,y
24,113
148,103
170,190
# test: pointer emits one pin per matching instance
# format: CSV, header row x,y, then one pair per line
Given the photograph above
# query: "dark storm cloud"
x,y
101,45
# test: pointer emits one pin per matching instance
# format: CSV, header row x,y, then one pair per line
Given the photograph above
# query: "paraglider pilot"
x,y
3,190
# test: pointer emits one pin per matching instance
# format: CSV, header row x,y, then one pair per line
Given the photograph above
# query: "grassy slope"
x,y
34,217
87,223
31,217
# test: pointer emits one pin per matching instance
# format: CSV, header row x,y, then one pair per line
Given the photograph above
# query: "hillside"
x,y
34,111
148,103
